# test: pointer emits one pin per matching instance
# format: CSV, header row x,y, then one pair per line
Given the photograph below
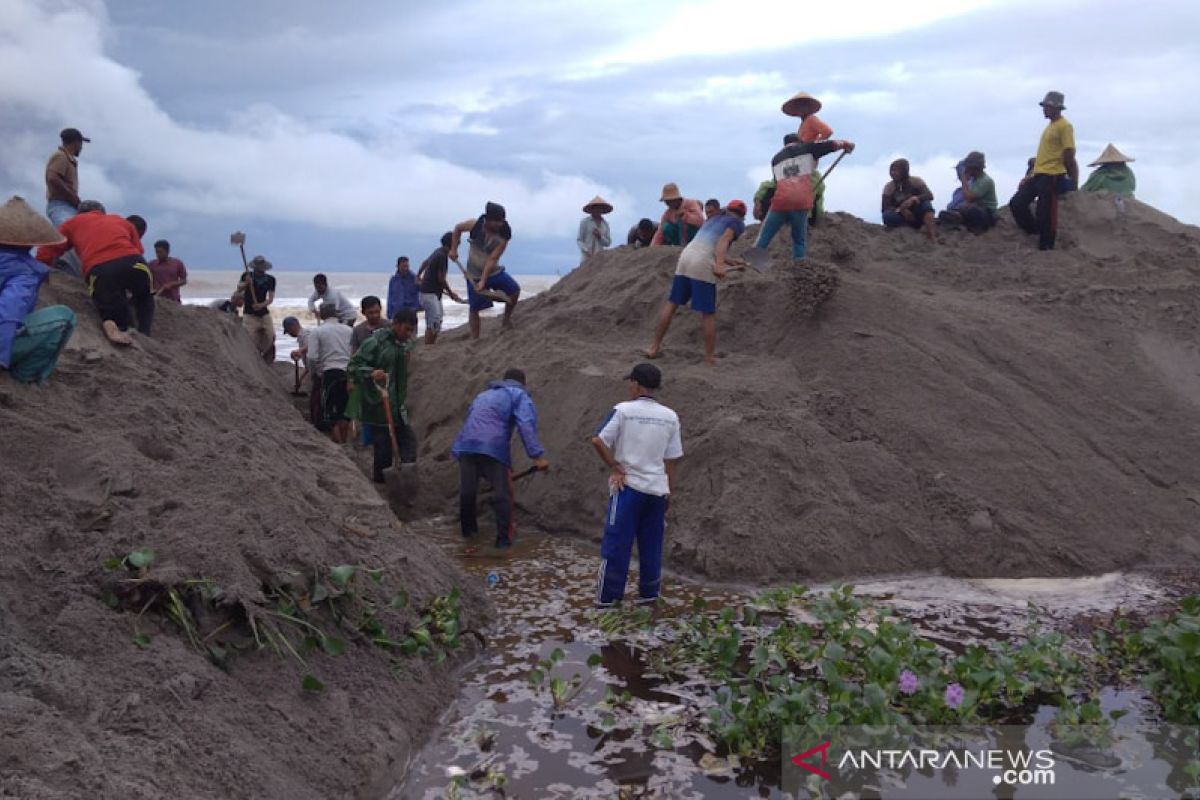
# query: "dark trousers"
x,y
632,517
112,281
381,440
1044,189
472,467
977,218
314,399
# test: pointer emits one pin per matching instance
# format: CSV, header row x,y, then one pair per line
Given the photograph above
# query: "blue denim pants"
x,y
775,220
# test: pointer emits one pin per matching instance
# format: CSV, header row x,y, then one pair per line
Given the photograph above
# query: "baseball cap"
x,y
69,135
737,206
646,375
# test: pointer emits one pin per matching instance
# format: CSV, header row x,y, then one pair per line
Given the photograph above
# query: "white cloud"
x,y
262,164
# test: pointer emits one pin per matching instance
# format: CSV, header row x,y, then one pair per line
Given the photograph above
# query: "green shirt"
x,y
1112,178
381,351
983,192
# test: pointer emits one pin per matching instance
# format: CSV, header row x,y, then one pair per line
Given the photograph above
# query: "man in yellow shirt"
x,y
1055,158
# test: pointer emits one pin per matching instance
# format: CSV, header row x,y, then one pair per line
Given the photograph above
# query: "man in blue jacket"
x,y
30,341
482,449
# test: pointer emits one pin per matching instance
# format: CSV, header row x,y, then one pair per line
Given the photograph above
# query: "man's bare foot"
x,y
710,360
115,334
652,352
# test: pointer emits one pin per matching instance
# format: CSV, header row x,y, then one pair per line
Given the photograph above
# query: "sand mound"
x,y
978,408
188,445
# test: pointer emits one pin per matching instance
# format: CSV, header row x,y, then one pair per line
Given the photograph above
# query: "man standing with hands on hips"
x,y
640,443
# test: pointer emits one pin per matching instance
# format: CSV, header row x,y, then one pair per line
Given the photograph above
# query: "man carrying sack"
x,y
379,370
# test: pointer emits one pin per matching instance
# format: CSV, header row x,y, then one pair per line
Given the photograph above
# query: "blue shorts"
x,y
501,281
701,294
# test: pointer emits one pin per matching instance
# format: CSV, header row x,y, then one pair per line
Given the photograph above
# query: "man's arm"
x,y
616,480
312,302
526,418
582,240
605,234
1071,164
445,276
657,240
459,229
266,301
669,467
721,251
58,181
48,252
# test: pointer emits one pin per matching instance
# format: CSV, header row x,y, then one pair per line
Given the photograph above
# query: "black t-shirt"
x,y
262,286
434,275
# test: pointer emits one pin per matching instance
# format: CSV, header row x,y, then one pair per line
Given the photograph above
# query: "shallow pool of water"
x,y
504,732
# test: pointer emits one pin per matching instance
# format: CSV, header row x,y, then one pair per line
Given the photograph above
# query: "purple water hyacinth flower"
x,y
908,682
954,695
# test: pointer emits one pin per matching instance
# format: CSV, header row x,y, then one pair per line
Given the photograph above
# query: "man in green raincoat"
x,y
1112,173
383,359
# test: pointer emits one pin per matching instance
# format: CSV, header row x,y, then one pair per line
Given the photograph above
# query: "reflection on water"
x,y
603,743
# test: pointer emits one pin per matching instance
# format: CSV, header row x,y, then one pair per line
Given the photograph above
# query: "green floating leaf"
x,y
333,645
310,683
400,600
141,640
699,604
595,659
409,646
112,563
374,574
557,655
536,677
140,559
319,593
342,573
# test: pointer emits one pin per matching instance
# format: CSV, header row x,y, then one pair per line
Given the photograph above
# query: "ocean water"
x,y
292,290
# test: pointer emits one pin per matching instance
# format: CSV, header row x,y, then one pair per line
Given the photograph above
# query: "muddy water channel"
x,y
565,701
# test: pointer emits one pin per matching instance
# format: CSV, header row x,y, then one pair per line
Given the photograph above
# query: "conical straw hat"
x,y
1111,155
598,201
801,103
20,225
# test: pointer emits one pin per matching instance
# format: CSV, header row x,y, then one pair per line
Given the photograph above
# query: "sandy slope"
x,y
188,445
978,408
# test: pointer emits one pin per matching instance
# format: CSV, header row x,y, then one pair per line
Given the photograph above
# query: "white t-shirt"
x,y
641,434
329,346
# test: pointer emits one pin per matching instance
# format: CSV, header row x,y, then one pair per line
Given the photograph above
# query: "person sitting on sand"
x,y
328,356
383,361
324,293
483,449
907,200
975,199
639,442
30,341
372,310
489,236
681,221
1112,173
110,249
642,234
805,106
792,200
594,235
434,282
257,290
168,272
701,264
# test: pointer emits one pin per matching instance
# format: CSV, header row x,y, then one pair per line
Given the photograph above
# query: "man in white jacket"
x,y
593,229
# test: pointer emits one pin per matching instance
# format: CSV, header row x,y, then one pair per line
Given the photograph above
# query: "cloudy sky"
x,y
338,136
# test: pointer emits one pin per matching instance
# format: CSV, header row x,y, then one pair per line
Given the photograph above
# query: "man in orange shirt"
x,y
110,249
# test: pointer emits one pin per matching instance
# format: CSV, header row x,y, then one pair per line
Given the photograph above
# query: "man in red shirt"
x,y
169,272
110,249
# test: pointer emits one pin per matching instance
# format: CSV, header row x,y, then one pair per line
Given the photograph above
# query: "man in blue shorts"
x,y
640,443
701,264
489,236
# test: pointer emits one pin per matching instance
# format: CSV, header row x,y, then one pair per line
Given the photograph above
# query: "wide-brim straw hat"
x,y
670,192
1111,155
259,261
21,226
600,203
801,104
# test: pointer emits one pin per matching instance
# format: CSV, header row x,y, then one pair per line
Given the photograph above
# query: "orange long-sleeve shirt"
x,y
96,237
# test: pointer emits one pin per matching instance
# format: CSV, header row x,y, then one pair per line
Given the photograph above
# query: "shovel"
x,y
490,294
758,258
391,423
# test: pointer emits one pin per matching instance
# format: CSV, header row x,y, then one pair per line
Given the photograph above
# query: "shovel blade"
x,y
758,259
237,238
